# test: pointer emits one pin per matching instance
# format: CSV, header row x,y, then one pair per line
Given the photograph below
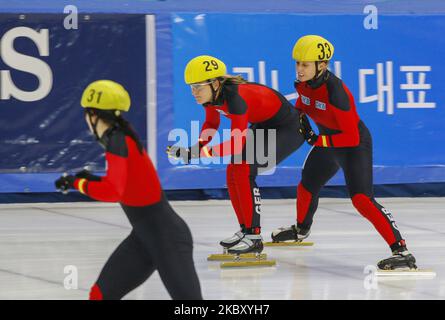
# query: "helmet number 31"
x,y
210,64
94,93
323,54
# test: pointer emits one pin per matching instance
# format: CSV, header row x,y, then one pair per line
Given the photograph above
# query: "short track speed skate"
x,y
228,243
250,244
233,240
289,236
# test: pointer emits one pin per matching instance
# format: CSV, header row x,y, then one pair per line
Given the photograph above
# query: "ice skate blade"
x,y
288,244
243,264
417,273
228,256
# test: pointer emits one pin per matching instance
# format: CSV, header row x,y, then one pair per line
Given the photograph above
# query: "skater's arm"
x,y
237,108
235,144
210,126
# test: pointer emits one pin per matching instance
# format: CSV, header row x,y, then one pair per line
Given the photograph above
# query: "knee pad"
x,y
96,293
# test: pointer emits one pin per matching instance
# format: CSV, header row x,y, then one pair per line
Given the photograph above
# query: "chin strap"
x,y
94,126
214,92
318,73
317,76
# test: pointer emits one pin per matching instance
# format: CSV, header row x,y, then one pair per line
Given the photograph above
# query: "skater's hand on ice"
x,y
65,182
306,130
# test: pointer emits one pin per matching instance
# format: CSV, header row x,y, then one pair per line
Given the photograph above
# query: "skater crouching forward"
x,y
243,103
343,142
159,240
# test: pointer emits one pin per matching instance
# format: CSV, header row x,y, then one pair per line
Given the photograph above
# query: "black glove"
x,y
85,174
186,154
306,130
65,182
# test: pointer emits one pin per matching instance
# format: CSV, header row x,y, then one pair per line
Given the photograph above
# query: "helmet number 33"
x,y
323,54
210,65
94,93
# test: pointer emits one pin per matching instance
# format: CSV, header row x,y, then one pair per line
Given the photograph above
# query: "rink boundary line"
x,y
64,205
84,218
403,224
200,203
60,284
292,201
103,222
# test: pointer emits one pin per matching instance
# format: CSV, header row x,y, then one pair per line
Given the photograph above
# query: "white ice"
x,y
38,241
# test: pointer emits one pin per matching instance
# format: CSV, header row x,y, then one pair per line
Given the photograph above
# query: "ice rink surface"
x,y
39,241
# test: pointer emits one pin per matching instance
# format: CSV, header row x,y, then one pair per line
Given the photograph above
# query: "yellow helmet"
x,y
312,48
106,95
203,68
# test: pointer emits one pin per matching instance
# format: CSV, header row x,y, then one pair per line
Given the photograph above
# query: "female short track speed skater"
x,y
243,103
343,142
160,240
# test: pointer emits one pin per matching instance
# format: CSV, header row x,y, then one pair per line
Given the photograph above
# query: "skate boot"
x,y
291,233
401,259
290,236
251,243
233,240
230,242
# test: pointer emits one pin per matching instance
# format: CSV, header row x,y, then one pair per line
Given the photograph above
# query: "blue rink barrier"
x,y
394,73
405,7
42,125
384,190
44,182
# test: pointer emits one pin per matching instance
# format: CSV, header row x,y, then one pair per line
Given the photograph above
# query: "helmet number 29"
x,y
323,54
94,93
210,64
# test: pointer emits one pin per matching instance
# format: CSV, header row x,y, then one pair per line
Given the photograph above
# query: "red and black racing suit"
x,y
160,240
343,142
262,108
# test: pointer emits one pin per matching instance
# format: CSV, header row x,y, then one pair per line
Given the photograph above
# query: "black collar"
x,y
106,136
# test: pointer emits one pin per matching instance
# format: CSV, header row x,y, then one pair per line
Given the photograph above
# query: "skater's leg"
x,y
240,180
234,195
288,138
249,193
275,144
266,147
357,167
127,268
319,167
169,241
249,196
